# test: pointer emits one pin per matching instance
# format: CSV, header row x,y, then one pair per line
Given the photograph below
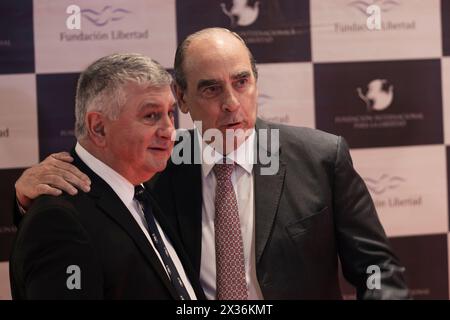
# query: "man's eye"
x,y
152,116
171,114
211,91
241,82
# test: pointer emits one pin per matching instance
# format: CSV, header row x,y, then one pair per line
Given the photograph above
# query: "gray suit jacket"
x,y
314,211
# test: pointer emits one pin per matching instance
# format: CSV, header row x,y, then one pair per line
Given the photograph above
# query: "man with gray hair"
x,y
112,242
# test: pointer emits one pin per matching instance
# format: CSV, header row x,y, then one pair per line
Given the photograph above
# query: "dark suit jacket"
x,y
315,210
96,232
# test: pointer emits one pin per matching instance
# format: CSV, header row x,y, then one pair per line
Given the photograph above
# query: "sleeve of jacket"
x,y
362,241
53,258
17,213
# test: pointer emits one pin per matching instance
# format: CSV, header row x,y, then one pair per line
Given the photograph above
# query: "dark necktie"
x,y
230,267
143,199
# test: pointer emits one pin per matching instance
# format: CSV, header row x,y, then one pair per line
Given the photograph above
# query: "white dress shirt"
x,y
125,191
242,180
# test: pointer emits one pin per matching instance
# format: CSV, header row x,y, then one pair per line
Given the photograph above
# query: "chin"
x,y
158,165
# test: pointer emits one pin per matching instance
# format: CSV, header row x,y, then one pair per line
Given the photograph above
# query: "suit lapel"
x,y
187,188
118,212
112,206
267,193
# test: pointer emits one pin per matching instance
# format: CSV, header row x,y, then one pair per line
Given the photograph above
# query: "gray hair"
x,y
101,86
180,76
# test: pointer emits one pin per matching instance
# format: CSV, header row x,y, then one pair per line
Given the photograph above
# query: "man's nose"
x,y
230,101
166,127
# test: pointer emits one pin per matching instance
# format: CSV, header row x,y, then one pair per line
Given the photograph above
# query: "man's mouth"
x,y
234,125
159,149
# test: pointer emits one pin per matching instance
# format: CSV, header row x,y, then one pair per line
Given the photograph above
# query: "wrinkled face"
x,y
139,141
221,88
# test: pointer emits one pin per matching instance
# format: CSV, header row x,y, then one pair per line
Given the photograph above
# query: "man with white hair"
x,y
112,242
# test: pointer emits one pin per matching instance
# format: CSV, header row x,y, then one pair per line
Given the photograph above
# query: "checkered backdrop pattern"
x,y
386,91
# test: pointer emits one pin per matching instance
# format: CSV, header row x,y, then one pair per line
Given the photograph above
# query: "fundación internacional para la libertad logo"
x,y
241,13
379,95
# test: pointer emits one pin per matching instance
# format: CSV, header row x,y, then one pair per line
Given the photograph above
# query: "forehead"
x,y
138,94
215,56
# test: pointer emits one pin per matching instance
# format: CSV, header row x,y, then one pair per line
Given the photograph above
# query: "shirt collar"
x,y
243,155
121,186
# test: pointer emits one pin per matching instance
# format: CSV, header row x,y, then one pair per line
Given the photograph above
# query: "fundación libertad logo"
x,y
240,13
379,95
106,15
384,183
383,197
384,5
372,12
98,18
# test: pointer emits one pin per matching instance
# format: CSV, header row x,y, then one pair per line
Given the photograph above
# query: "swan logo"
x,y
105,16
383,184
384,5
240,13
379,96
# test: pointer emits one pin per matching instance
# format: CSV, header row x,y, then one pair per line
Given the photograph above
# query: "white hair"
x,y
101,86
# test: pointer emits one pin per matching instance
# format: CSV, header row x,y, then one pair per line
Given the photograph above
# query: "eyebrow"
x,y
240,75
151,105
202,83
148,105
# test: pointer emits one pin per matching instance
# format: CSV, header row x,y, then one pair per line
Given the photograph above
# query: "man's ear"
x,y
179,94
95,125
